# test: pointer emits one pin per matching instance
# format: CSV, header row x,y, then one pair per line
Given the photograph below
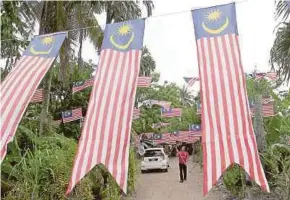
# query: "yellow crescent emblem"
x,y
124,46
216,31
35,52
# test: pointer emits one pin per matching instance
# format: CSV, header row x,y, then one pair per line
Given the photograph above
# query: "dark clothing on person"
x,y
183,172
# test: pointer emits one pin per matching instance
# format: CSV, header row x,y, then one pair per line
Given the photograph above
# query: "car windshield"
x,y
153,153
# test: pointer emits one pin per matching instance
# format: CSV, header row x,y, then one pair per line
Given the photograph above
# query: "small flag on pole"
x,y
190,80
81,85
136,113
72,115
144,81
260,75
37,96
159,125
268,110
267,100
228,135
19,86
271,76
171,112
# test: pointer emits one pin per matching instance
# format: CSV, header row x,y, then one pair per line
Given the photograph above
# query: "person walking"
x,y
183,158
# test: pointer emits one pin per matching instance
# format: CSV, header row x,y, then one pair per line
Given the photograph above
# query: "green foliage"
x,y
43,171
234,180
277,166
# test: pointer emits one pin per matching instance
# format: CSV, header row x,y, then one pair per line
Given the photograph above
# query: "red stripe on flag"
x,y
16,93
228,135
106,132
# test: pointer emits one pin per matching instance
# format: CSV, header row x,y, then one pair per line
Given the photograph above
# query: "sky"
x,y
169,35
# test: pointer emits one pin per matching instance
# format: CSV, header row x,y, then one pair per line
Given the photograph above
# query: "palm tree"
x,y
148,64
185,96
54,16
280,52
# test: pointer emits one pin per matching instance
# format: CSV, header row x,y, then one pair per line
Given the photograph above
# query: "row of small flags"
x,y
191,80
190,136
267,107
260,75
150,102
81,85
77,114
143,81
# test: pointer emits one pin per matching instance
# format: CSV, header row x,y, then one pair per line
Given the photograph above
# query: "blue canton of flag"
x,y
288,3
157,136
175,133
124,36
195,127
213,27
46,47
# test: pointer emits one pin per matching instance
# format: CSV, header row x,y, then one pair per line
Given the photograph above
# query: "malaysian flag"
x,y
37,96
160,124
267,100
228,135
163,138
106,132
72,115
81,85
190,80
171,112
268,110
144,81
271,76
136,113
259,75
19,86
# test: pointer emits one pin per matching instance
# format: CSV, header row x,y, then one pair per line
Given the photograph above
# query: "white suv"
x,y
154,158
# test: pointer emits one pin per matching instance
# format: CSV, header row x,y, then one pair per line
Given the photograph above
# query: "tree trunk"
x,y
47,79
258,124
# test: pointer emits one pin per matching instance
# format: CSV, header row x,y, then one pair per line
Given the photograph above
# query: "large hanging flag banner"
x,y
19,86
81,85
190,80
228,135
106,132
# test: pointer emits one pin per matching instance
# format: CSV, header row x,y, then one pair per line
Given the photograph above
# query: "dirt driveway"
x,y
162,185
